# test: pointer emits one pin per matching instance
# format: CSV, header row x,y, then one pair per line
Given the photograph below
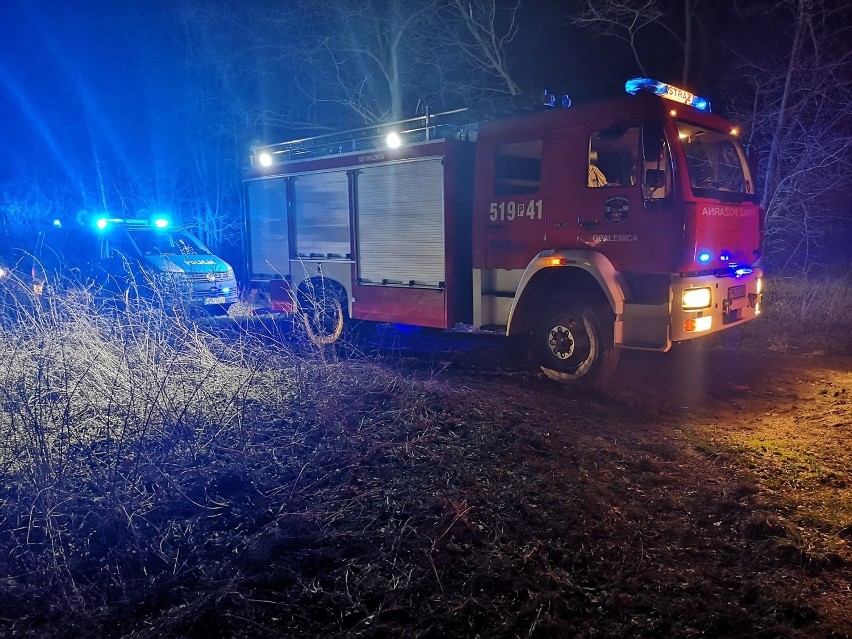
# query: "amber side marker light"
x,y
557,261
697,324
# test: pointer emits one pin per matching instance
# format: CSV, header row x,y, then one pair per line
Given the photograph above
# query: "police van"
x,y
146,257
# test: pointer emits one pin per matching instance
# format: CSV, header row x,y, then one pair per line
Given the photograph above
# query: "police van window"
x,y
613,157
517,168
119,242
156,242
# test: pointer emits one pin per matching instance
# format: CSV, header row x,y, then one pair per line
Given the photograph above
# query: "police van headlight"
x,y
694,299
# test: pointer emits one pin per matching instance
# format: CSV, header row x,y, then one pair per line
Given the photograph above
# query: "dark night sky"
x,y
91,76
72,84
95,85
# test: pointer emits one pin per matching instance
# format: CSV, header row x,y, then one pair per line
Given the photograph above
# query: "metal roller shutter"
x,y
401,223
321,212
269,236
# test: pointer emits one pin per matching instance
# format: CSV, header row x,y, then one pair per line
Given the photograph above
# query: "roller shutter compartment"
x,y
321,214
268,229
400,221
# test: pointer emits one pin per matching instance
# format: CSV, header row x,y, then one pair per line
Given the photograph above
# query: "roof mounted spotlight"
x,y
393,140
668,91
264,159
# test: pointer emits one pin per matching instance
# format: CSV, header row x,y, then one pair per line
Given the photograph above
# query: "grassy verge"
x,y
801,317
141,457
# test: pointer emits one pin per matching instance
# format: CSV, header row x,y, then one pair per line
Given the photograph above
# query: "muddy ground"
x,y
703,492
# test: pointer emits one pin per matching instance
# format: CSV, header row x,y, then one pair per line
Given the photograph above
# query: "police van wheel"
x,y
217,310
575,345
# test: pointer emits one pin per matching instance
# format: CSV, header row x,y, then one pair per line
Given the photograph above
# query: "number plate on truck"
x,y
214,300
736,292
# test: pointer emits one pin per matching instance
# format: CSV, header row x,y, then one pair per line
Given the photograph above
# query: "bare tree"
x,y
482,32
798,113
627,20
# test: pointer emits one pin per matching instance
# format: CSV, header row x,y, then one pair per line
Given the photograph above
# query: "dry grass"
x,y
157,479
137,451
802,316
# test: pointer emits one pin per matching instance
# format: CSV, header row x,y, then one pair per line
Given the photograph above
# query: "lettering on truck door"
x,y
516,219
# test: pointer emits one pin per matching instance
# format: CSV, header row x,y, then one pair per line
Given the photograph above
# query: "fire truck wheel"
x,y
323,318
575,345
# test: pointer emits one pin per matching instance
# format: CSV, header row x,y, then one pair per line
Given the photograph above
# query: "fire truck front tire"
x,y
574,344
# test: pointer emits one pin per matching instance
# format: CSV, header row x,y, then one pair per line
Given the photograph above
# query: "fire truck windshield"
x,y
716,163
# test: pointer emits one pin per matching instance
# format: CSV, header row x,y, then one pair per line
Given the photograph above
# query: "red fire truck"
x,y
632,223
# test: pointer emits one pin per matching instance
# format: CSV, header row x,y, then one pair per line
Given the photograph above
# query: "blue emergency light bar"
x,y
668,91
160,222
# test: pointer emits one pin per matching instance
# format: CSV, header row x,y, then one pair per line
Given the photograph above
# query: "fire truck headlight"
x,y
264,159
696,298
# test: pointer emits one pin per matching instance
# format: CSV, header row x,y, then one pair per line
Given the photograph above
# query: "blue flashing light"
x,y
635,85
161,222
705,256
101,223
701,104
57,224
668,91
549,100
743,271
226,289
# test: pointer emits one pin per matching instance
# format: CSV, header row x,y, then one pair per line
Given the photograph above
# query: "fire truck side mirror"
x,y
655,178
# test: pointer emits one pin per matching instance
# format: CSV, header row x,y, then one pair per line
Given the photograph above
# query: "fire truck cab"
x,y
632,223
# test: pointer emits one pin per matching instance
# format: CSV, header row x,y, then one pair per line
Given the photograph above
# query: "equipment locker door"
x,y
400,224
321,215
269,236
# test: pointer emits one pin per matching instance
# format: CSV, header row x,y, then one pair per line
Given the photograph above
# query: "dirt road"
x,y
705,492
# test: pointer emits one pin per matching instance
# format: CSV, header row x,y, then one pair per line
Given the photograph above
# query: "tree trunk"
x,y
771,181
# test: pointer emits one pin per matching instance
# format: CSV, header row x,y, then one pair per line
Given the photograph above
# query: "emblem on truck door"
x,y
616,209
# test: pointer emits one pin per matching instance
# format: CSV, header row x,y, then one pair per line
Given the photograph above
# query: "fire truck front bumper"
x,y
709,304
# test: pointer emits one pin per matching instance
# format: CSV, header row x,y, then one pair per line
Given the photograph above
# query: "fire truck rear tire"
x,y
574,344
323,315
